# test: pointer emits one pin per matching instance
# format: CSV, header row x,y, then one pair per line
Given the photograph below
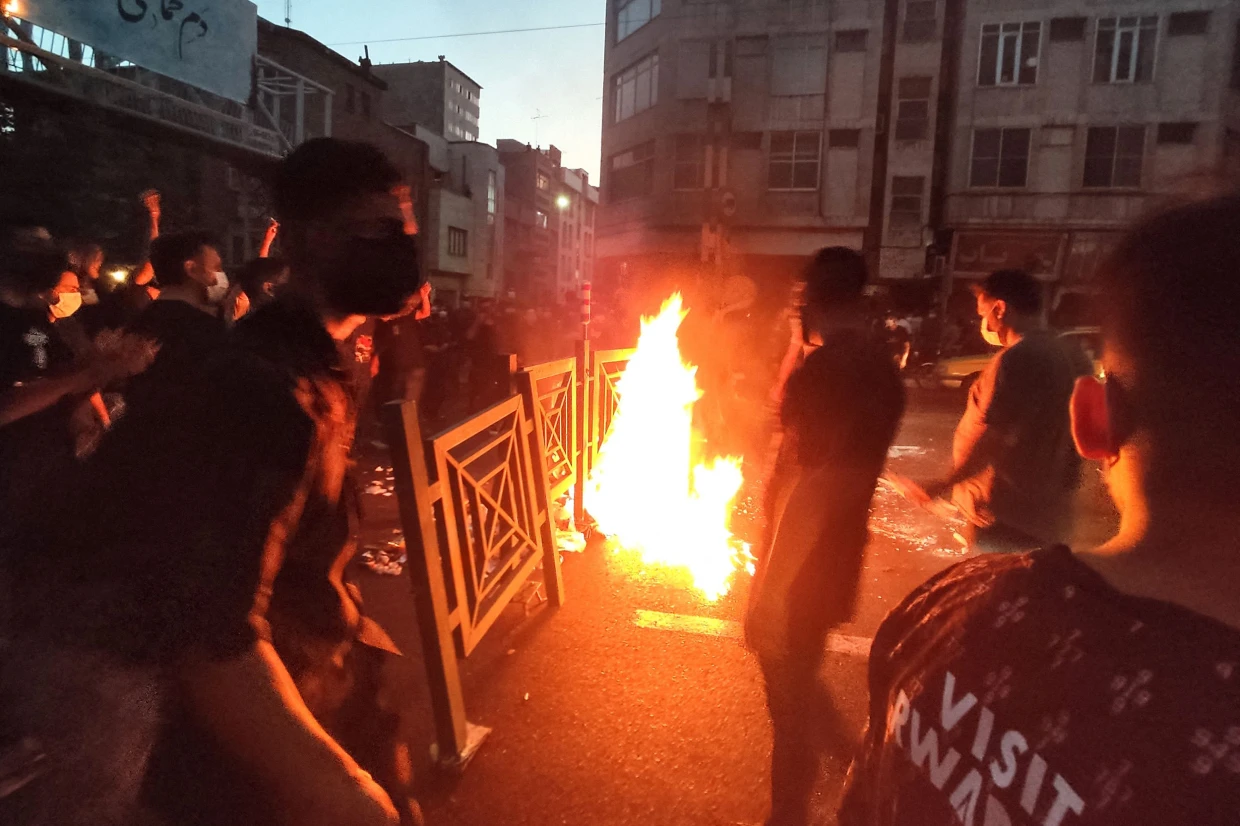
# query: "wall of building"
x,y
433,94
475,166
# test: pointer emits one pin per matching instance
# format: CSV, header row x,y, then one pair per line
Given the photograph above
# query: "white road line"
x,y
711,627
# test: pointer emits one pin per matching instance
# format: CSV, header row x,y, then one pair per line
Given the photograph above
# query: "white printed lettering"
x,y
1011,746
920,748
899,718
1033,783
953,712
964,799
985,725
1065,799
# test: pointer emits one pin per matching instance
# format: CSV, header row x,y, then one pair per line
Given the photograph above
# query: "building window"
x,y
492,196
921,21
1000,157
795,160
458,241
1009,54
636,89
631,15
906,202
690,163
349,103
851,40
913,108
632,172
844,138
540,219
1188,23
544,183
1113,156
1177,132
1124,52
1067,29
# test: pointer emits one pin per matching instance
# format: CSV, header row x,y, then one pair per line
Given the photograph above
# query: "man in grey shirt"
x,y
1014,467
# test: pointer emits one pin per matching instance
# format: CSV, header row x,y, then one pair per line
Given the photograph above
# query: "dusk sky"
x,y
557,72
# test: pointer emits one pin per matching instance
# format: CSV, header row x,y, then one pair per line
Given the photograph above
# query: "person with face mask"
x,y
1014,472
186,319
233,677
45,375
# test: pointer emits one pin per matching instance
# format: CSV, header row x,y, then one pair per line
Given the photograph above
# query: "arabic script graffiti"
x,y
191,27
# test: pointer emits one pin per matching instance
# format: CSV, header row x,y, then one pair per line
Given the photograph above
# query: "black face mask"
x,y
375,276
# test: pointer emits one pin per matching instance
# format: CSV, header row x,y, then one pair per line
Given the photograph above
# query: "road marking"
x,y
711,627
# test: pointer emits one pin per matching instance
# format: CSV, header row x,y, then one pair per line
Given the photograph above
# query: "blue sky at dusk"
x,y
557,72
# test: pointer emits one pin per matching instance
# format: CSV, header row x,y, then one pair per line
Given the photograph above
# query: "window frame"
x,y
999,159
913,34
458,242
1115,157
697,163
1001,33
863,35
492,195
913,220
901,118
644,155
647,65
655,8
795,160
1142,24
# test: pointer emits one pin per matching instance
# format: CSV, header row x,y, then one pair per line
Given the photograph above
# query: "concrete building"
x,y
576,205
433,94
464,232
952,135
531,232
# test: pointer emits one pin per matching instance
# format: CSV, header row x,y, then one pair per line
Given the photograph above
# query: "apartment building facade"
x,y
434,94
938,136
576,208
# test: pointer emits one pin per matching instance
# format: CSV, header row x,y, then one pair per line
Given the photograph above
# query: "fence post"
x,y
585,430
553,576
585,418
457,740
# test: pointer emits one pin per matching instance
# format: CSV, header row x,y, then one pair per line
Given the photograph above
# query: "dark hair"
x,y
835,275
1017,288
322,173
81,253
170,252
30,261
1169,294
258,272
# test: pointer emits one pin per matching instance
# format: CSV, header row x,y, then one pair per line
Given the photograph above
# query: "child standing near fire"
x,y
839,410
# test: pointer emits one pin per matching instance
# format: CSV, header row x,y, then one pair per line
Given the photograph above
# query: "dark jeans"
x,y
806,728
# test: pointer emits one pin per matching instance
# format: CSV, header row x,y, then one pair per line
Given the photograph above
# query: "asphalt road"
x,y
598,718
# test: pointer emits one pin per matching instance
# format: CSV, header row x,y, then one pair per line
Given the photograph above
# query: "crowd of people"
x,y
180,642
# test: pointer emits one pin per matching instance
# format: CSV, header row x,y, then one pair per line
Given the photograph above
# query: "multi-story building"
x,y
532,183
433,94
959,135
576,205
463,236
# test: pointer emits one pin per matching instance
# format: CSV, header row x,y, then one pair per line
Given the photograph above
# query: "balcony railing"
x,y
1085,209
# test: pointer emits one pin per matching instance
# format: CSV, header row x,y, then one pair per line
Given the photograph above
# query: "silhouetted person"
x,y
1099,688
839,413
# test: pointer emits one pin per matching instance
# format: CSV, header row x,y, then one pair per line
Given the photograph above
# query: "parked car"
x,y
959,372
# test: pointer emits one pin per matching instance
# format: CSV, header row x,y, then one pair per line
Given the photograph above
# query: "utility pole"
x,y
288,13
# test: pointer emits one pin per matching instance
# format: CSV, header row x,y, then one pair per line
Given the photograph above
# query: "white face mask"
x,y
68,304
990,334
217,291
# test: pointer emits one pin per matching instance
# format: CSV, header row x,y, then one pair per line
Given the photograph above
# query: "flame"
x,y
647,492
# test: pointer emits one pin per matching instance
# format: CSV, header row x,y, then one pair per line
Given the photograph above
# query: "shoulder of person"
x,y
958,592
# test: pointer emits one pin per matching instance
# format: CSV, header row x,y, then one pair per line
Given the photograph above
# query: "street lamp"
x,y
563,202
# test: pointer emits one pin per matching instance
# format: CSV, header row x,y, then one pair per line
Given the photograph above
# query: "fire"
x,y
647,491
